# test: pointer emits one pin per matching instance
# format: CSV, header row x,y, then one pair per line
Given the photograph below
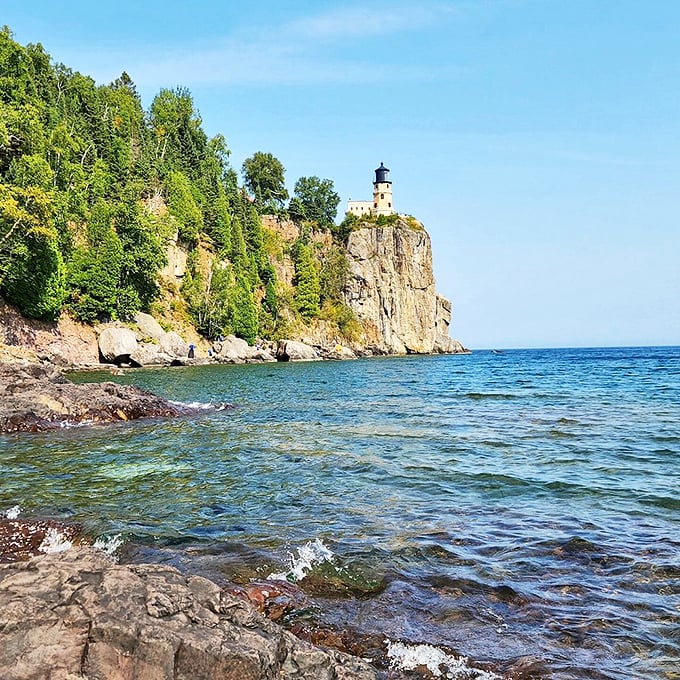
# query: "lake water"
x,y
505,505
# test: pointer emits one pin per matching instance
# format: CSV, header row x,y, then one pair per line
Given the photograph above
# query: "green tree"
x,y
264,178
31,265
94,271
314,200
244,316
183,206
333,275
209,299
181,142
307,287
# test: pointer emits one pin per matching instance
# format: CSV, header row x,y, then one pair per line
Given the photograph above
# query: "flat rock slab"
x,y
37,397
77,614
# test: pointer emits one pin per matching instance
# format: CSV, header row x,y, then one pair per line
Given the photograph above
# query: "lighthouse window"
x,y
382,195
389,205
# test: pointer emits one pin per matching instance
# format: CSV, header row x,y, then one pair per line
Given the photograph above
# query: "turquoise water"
x,y
501,505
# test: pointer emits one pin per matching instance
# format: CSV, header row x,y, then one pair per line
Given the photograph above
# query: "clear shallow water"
x,y
524,503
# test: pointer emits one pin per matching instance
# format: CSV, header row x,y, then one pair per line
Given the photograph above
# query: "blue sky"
x,y
538,140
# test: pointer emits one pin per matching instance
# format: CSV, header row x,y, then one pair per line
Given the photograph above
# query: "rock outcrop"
x,y
36,397
77,614
391,289
64,343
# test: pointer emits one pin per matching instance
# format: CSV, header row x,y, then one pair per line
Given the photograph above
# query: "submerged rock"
x,y
78,614
38,397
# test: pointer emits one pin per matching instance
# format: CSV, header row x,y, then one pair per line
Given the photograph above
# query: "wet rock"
x,y
78,614
337,352
22,539
291,350
117,344
274,599
38,397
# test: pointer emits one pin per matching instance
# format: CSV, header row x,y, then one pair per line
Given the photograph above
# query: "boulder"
x,y
148,326
173,345
235,350
78,614
149,354
260,355
341,352
446,345
232,348
117,344
291,350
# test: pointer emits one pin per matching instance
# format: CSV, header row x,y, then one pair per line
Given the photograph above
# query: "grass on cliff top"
x,y
383,221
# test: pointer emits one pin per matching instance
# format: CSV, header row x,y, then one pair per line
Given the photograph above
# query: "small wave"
x,y
109,544
71,424
54,542
203,405
489,395
309,556
13,512
409,657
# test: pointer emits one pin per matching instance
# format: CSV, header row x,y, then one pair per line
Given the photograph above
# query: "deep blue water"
x,y
516,504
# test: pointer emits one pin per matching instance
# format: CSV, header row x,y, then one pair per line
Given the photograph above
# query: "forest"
x,y
83,171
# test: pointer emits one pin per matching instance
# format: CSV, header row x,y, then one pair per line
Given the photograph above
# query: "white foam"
x,y
13,512
54,542
109,544
202,405
309,556
409,657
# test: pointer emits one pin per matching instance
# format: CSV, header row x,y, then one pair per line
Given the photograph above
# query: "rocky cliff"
x,y
391,289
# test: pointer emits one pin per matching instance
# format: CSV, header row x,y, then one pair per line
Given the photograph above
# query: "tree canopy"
x,y
314,200
264,177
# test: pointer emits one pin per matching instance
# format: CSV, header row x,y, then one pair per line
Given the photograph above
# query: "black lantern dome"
x,y
381,174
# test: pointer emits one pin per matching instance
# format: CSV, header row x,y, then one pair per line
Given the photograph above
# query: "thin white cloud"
x,y
373,20
294,53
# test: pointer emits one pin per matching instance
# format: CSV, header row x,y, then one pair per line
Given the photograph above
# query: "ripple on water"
x,y
513,505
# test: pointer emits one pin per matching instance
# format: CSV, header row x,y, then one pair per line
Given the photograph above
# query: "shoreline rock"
x,y
38,397
78,614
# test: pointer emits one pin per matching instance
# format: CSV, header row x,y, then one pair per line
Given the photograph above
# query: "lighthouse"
x,y
382,197
382,192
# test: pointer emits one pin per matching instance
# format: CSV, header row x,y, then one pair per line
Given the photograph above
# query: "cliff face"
x,y
391,290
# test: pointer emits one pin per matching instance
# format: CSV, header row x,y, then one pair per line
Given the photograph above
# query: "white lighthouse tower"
x,y
382,192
